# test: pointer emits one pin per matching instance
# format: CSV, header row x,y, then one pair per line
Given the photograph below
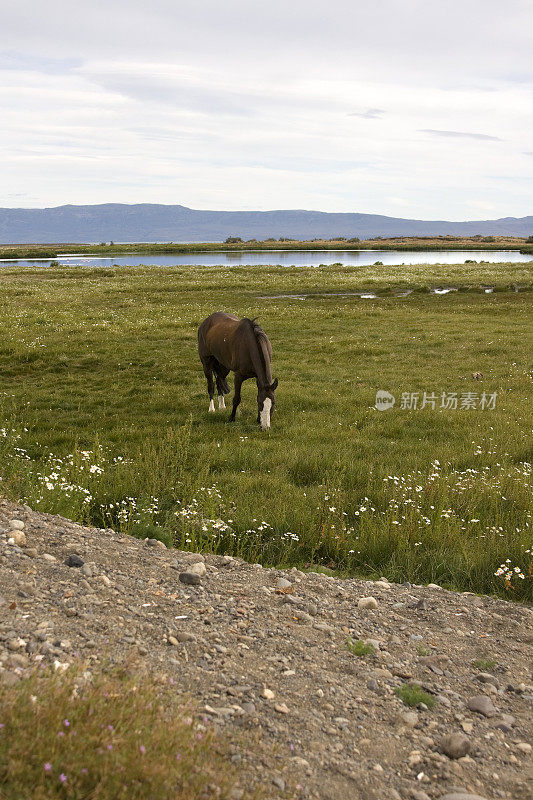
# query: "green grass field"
x,y
104,416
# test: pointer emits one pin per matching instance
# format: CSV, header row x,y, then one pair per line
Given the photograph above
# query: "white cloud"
x,y
336,106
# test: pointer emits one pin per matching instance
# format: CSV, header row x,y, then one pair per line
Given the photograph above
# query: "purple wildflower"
x,y
109,746
47,767
63,778
142,748
66,723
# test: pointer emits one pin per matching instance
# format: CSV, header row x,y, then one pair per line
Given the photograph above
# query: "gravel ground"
x,y
265,653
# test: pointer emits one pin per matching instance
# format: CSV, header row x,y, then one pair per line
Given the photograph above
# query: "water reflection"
x,y
298,258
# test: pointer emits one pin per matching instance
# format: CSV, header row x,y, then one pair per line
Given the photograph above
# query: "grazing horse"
x,y
228,343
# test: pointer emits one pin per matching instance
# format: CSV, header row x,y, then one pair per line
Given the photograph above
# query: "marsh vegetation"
x,y
104,416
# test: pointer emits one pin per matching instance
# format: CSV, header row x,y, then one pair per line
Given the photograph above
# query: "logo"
x,y
384,400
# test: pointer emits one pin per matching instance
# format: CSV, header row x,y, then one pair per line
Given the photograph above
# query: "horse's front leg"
x,y
237,396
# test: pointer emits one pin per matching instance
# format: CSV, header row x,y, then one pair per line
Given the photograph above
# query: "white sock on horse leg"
x,y
221,403
211,405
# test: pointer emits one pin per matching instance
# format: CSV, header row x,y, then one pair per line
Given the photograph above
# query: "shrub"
x,y
233,240
115,734
485,664
412,695
360,648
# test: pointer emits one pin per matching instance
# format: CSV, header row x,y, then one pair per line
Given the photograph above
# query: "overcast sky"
x,y
411,108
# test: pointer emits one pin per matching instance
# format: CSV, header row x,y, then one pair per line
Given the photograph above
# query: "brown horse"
x,y
228,343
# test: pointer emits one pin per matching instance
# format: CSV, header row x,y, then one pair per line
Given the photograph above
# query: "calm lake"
x,y
287,258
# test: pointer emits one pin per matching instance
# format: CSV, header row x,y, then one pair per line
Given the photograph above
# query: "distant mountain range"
x,y
146,222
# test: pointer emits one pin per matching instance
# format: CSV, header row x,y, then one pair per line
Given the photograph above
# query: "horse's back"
x,y
215,329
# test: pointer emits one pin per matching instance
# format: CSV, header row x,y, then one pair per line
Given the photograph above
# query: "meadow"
x,y
103,416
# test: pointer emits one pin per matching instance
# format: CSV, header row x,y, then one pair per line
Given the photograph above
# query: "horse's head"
x,y
265,403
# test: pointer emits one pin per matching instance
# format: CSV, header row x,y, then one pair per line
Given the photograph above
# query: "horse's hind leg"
x,y
237,396
208,372
222,384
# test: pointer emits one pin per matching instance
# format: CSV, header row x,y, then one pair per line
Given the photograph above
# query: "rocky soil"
x,y
266,655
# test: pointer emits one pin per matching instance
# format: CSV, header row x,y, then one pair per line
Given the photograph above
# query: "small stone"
x,y
185,636
462,796
17,524
49,557
281,708
268,694
482,704
105,580
409,719
193,558
505,723
173,641
279,782
156,543
87,571
455,745
31,552
18,536
283,583
190,578
74,560
367,603
524,747
197,568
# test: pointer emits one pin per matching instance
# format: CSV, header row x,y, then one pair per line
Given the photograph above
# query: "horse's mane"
x,y
258,331
261,339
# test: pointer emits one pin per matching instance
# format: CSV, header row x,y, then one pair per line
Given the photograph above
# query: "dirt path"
x,y
266,652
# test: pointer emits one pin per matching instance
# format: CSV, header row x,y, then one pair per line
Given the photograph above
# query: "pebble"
x,y
462,796
74,560
87,571
18,536
482,704
281,708
455,745
190,578
49,557
185,636
283,583
17,525
409,719
156,543
197,568
367,603
486,677
524,747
